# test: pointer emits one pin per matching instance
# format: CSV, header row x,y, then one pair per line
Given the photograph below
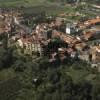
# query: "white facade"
x,y
68,30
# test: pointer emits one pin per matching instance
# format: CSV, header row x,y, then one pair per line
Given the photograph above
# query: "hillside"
x,y
18,3
31,3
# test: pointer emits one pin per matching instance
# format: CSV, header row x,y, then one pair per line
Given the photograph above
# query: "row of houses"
x,y
53,40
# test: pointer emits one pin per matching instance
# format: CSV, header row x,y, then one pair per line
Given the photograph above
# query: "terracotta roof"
x,y
89,22
80,45
56,33
69,39
66,38
2,30
98,49
88,34
92,21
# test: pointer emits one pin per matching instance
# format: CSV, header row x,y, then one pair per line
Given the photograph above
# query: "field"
x,y
18,3
33,5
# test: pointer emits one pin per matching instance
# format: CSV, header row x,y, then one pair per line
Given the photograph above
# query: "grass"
x,y
32,6
7,74
17,3
49,9
42,5
77,75
9,89
9,84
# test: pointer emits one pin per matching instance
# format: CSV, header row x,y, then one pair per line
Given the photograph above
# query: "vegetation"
x,y
23,78
41,80
18,3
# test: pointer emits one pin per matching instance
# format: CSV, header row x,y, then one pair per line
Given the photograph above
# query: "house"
x,y
87,35
95,52
29,46
80,46
91,34
96,60
92,22
2,27
59,21
84,55
71,28
68,39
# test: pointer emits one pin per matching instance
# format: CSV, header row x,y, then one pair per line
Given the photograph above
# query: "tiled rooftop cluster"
x,y
51,39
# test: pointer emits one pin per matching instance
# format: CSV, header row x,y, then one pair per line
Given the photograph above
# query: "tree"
x,y
56,95
5,58
66,96
19,66
48,96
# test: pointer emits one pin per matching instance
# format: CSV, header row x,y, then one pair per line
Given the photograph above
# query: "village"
x,y
54,38
50,50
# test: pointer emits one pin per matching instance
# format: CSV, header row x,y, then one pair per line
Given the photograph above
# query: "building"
x,y
95,52
71,28
29,46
